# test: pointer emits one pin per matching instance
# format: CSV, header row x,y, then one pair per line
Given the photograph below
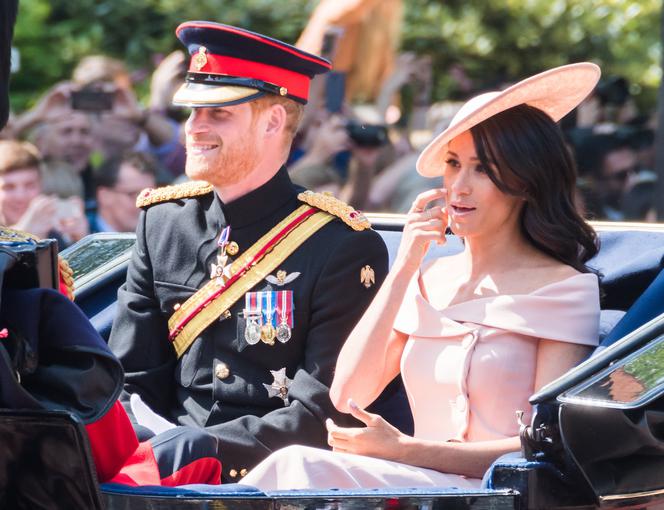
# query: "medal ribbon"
x,y
223,238
251,305
285,307
268,307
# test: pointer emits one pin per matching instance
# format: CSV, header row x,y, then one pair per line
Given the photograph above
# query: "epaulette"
x,y
13,236
328,203
189,189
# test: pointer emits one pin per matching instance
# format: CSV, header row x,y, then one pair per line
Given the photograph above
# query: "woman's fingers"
x,y
424,198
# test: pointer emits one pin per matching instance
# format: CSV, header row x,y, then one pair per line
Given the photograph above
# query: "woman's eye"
x,y
452,162
480,169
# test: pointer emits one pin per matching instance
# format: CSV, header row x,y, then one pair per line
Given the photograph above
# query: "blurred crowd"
x,y
75,162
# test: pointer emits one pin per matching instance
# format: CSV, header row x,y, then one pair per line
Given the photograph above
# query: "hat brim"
x,y
556,92
201,95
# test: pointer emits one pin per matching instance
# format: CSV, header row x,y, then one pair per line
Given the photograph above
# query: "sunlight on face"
x,y
17,189
222,144
474,203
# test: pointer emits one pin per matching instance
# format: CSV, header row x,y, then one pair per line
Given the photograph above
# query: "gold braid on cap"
x,y
328,203
150,196
67,276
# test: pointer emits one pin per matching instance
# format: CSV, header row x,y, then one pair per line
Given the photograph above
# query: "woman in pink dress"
x,y
473,334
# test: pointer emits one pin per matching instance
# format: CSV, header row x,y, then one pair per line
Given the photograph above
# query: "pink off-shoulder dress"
x,y
467,369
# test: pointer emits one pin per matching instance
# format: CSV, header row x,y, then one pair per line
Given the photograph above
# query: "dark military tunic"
x,y
218,382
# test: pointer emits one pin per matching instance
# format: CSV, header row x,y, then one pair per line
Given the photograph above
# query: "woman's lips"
x,y
460,211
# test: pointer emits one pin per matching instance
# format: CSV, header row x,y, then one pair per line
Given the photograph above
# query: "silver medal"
x,y
283,332
252,332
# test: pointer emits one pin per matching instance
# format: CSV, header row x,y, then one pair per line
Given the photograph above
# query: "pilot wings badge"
x,y
367,276
282,278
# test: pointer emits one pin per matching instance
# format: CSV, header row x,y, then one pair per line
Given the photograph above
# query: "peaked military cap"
x,y
231,65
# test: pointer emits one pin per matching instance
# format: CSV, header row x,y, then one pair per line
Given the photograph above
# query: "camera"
x,y
27,263
92,100
367,135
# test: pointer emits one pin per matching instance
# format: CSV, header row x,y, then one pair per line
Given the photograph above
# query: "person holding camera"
x,y
341,155
23,206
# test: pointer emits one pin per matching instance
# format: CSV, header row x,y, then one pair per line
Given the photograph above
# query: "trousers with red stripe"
x,y
179,456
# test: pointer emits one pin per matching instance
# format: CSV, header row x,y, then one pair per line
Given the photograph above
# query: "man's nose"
x,y
197,121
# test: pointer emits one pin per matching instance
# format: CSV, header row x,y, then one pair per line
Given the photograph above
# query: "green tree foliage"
x,y
494,40
504,40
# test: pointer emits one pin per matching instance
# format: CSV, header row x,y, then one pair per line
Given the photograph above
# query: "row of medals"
x,y
255,332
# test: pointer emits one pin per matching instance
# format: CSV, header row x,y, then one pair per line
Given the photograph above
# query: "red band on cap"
x,y
296,84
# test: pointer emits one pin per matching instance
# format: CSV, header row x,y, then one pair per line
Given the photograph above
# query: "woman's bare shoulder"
x,y
536,276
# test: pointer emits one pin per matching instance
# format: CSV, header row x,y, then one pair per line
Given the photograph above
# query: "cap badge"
x,y
280,385
367,276
283,91
200,59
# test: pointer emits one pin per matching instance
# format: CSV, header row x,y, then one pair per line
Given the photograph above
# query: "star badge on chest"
x,y
280,385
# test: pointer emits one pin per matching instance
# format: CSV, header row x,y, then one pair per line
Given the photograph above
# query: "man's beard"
x,y
233,164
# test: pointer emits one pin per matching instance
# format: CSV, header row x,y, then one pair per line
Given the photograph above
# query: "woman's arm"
x,y
370,357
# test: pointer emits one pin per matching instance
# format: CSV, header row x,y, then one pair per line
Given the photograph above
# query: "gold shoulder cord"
x,y
150,196
67,275
326,202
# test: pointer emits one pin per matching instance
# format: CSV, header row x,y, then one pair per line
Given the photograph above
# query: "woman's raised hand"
x,y
422,227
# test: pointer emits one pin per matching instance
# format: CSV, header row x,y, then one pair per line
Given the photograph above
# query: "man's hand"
x,y
378,439
330,138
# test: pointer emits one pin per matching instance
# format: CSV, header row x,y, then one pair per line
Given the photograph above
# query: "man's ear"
x,y
275,120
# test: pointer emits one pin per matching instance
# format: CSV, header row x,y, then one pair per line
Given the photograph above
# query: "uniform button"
x,y
176,306
461,403
221,371
232,473
243,472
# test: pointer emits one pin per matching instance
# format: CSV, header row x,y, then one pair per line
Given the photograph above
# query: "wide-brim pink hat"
x,y
556,92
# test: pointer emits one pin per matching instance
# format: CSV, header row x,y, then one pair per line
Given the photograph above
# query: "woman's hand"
x,y
422,227
378,439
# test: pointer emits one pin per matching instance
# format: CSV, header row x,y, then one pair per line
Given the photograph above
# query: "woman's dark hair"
x,y
528,149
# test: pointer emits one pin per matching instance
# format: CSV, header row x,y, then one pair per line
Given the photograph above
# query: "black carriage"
x,y
596,438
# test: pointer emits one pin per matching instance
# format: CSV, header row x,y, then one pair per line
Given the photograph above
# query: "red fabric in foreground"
x,y
206,470
120,458
140,468
113,440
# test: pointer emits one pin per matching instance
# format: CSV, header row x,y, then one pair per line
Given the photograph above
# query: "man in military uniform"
x,y
242,287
